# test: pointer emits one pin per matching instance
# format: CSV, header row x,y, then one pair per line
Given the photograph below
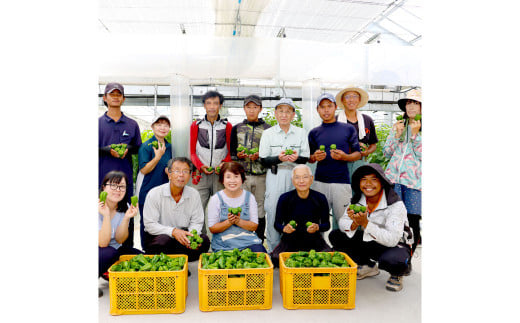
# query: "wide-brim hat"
x,y
414,94
362,93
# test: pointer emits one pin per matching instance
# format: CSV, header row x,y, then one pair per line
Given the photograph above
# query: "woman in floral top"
x,y
404,148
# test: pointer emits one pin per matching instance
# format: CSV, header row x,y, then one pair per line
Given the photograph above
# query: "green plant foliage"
x,y
382,130
271,120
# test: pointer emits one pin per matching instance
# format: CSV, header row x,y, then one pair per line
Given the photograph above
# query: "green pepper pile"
x,y
357,208
119,148
316,259
195,240
160,262
234,259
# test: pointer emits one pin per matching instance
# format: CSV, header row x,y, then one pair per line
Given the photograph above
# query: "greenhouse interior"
x,y
170,53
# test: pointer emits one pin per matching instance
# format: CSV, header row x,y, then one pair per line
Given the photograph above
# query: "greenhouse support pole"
x,y
311,90
181,115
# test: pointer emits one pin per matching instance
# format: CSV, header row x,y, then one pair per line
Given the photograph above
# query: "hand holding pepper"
x,y
292,158
254,156
398,127
313,228
338,154
180,235
131,212
160,150
103,209
361,219
320,155
415,126
288,229
204,169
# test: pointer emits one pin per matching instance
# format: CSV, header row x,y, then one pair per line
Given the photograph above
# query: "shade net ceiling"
x,y
365,42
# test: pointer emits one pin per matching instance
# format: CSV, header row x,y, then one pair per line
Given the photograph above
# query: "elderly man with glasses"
x,y
172,211
308,209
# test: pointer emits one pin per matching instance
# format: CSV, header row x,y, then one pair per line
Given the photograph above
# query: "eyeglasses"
x,y
116,187
299,178
347,97
178,171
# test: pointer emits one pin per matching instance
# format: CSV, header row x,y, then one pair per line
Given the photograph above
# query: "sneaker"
x,y
394,283
408,269
367,271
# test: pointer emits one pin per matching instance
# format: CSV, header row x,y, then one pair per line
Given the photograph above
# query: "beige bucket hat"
x,y
362,93
414,94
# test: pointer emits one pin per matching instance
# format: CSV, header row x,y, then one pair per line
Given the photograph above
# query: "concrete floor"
x,y
373,304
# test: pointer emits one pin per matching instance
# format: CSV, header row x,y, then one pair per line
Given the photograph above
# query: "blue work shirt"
x,y
157,176
345,137
124,131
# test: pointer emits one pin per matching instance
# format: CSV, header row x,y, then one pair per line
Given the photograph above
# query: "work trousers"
x,y
391,259
256,185
338,196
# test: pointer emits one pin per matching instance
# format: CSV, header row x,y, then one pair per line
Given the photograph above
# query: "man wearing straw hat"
x,y
350,100
333,144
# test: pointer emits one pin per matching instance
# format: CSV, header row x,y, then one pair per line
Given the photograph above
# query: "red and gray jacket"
x,y
209,143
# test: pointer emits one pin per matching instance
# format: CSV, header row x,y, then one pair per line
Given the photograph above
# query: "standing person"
x,y
380,234
172,211
114,218
232,230
350,100
248,134
116,128
152,162
332,173
301,205
274,144
404,148
209,147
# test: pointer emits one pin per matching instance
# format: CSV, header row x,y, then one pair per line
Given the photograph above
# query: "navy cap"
x,y
114,86
324,96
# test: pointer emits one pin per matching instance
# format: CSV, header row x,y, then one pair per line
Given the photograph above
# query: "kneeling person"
x,y
303,206
380,234
172,211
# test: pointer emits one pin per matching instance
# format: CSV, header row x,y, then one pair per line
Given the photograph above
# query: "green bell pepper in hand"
x,y
322,147
293,224
333,146
134,200
103,196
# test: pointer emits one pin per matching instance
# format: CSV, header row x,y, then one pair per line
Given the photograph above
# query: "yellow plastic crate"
x,y
235,289
318,288
148,292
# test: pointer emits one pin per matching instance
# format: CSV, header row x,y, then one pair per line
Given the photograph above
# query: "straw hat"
x,y
414,94
362,93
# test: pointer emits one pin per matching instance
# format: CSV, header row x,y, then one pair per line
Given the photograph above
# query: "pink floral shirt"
x,y
405,160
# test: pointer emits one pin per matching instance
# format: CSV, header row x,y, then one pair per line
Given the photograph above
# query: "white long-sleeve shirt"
x,y
385,224
162,214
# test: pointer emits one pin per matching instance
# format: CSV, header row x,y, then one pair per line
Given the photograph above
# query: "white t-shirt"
x,y
214,207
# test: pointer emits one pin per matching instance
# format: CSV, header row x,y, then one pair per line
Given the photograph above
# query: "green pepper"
x,y
322,147
293,223
103,196
333,146
154,143
308,224
253,150
289,152
399,117
352,207
363,208
134,200
210,169
221,262
146,267
218,169
241,148
113,146
417,117
194,245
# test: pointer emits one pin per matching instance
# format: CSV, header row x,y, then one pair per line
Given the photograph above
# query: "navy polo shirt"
x,y
124,131
157,176
346,139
